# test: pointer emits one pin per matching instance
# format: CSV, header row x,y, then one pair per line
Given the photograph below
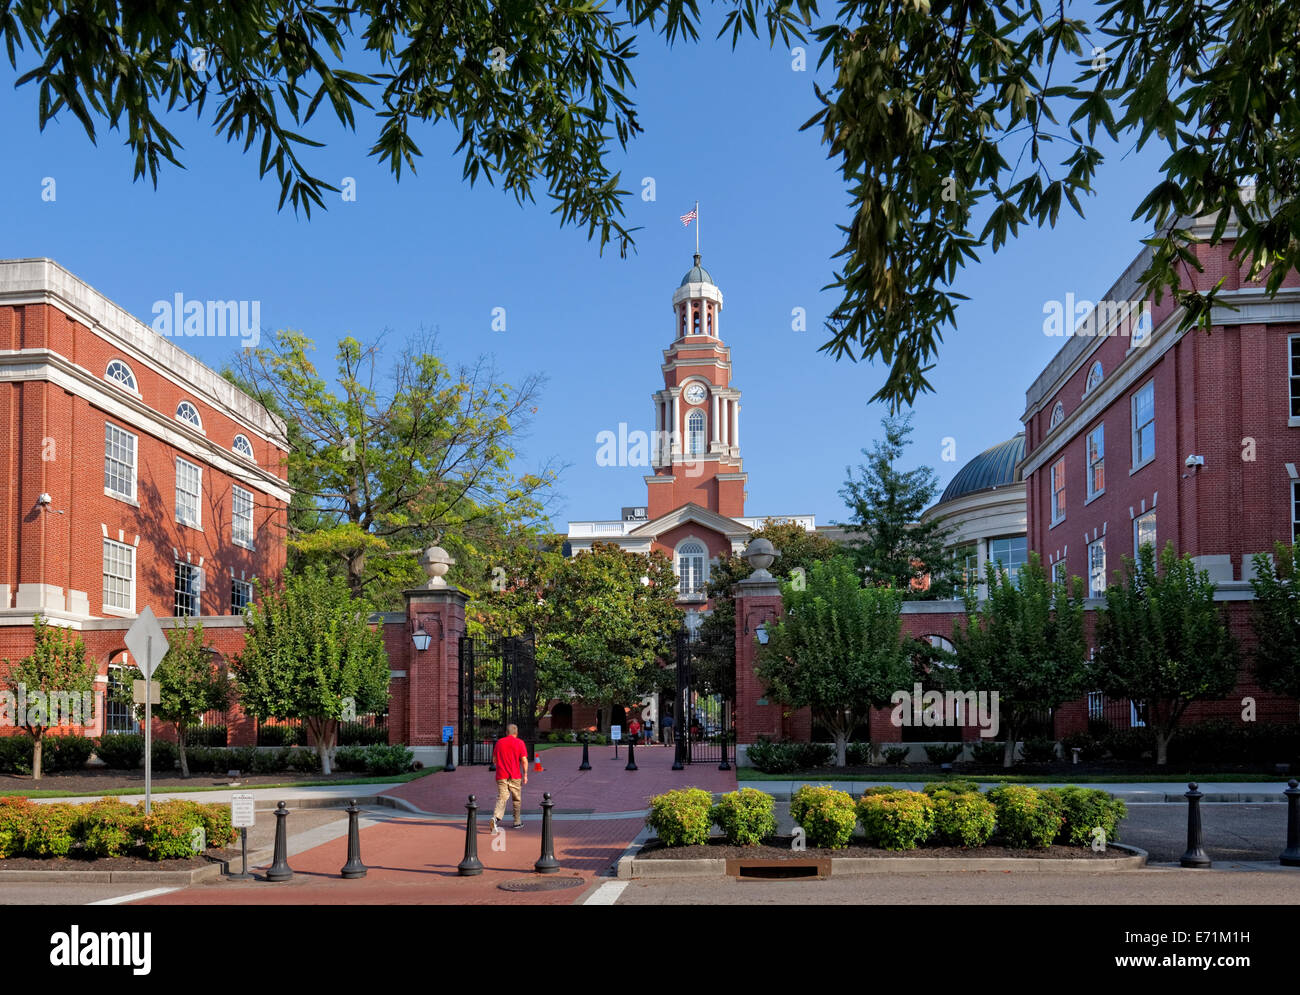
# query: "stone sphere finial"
x,y
760,554
436,562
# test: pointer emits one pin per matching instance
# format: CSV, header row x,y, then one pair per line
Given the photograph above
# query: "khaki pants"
x,y
509,789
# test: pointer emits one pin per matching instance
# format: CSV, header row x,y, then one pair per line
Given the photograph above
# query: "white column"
x,y
715,433
677,423
726,421
736,437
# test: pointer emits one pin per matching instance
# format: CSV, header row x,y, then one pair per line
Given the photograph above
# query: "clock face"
x,y
695,394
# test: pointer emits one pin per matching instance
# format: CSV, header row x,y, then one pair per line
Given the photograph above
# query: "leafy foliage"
x,y
746,817
121,750
963,818
58,664
1027,817
1084,810
826,815
682,817
900,820
1275,615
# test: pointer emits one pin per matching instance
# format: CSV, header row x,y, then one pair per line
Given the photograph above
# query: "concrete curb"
x,y
180,878
631,867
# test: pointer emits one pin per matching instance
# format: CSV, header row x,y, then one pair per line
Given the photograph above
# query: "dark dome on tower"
x,y
696,274
995,467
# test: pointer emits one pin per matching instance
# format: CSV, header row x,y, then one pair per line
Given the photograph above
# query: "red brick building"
x,y
132,474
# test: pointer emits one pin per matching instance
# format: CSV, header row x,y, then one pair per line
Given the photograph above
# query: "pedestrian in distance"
x,y
510,756
667,726
634,731
649,732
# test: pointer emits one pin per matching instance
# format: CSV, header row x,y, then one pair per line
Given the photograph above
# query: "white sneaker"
x,y
492,825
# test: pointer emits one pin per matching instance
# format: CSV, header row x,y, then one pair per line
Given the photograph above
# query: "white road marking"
x,y
607,893
133,897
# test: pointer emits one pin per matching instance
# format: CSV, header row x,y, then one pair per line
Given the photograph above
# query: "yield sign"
x,y
146,642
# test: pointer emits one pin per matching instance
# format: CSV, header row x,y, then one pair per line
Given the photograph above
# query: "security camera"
x,y
1195,461
44,499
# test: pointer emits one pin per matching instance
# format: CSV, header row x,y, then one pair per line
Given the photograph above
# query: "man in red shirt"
x,y
510,757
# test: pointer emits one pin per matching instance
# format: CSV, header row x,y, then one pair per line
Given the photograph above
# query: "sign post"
x,y
148,646
242,817
615,733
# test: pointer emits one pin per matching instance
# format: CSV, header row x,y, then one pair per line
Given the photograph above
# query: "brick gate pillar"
x,y
435,615
758,601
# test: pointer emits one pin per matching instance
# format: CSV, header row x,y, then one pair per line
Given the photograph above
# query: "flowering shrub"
x,y
1085,809
963,818
50,831
14,815
826,815
168,831
107,828
900,820
745,816
1027,817
681,818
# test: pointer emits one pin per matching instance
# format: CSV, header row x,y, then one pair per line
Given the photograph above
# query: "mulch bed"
x,y
778,848
84,781
213,855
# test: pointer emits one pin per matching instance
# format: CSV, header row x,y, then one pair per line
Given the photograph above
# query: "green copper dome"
x,y
696,274
995,467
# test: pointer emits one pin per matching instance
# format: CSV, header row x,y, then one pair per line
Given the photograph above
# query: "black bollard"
x,y
1195,855
586,760
354,868
546,863
280,869
723,734
631,755
1291,855
450,765
470,865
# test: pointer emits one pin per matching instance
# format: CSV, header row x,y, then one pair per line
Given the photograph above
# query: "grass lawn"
x,y
170,789
830,774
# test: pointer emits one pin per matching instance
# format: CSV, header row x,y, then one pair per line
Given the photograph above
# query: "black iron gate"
x,y
702,718
498,686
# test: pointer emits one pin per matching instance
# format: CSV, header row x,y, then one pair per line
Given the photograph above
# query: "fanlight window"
x,y
1094,377
242,446
187,412
690,567
121,373
1058,414
695,433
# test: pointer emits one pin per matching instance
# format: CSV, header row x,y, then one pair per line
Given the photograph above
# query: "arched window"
x,y
695,319
695,433
119,372
708,320
187,412
692,558
242,446
1094,377
682,329
1058,415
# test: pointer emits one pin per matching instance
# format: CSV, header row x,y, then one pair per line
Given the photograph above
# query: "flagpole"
x,y
697,227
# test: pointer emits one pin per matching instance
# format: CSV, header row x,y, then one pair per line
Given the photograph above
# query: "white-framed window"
x,y
118,714
119,461
695,433
1137,714
119,576
1144,424
1295,510
241,595
1144,531
1058,491
1094,378
1096,461
1058,415
120,373
1097,568
241,514
1295,376
189,490
187,589
1009,553
1059,576
187,412
692,567
243,447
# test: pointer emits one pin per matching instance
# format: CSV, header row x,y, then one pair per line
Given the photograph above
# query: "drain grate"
x,y
540,883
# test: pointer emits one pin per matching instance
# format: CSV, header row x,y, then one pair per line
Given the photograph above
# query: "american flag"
x,y
687,218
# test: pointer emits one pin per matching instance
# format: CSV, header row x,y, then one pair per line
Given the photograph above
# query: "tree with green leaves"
x,y
602,620
190,683
1162,640
1275,616
797,549
310,652
1026,642
56,670
893,546
387,473
954,123
837,649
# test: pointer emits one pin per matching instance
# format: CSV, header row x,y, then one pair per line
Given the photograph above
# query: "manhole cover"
x,y
540,883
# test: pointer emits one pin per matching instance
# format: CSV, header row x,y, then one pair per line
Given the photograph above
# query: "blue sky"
x,y
430,252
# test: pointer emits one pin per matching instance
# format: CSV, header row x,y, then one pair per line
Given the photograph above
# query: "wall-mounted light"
x,y
421,639
761,633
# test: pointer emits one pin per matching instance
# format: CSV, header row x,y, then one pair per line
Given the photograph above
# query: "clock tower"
x,y
697,413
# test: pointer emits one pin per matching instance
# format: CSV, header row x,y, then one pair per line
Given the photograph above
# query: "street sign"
x,y
447,733
615,733
146,642
241,811
155,692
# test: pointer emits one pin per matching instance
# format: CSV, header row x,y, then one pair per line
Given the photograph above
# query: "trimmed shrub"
x,y
107,828
359,734
901,820
745,816
1038,750
989,754
895,754
121,750
963,818
1129,745
813,755
65,753
682,817
943,753
826,815
16,754
167,832
281,736
242,759
1027,817
773,758
165,756
350,759
956,786
50,830
301,760
213,817
1086,808
15,813
883,789
386,761
196,736
1085,742
859,754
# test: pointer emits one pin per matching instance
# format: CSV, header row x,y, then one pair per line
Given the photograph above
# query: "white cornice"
x,y
44,365
43,281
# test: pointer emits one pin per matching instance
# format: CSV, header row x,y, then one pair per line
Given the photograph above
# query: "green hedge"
x,y
380,761
826,815
110,828
681,818
898,820
121,750
1027,817
783,758
746,816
